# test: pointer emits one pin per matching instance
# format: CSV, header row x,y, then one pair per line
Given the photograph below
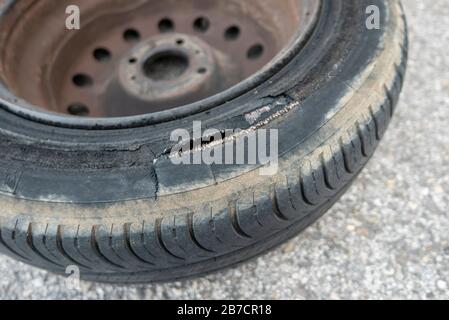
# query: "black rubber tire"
x,y
111,203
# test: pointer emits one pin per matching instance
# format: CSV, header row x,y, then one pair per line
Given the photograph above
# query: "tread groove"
x,y
161,242
96,249
30,242
276,208
326,173
232,209
7,247
128,245
63,252
192,234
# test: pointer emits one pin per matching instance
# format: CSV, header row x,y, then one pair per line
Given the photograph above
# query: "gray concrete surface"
x,y
388,238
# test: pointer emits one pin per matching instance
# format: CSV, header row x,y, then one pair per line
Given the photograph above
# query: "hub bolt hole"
x,y
201,24
255,52
82,80
166,25
131,35
102,54
202,70
232,33
78,109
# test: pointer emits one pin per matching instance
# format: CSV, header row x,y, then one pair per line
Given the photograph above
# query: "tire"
x,y
113,204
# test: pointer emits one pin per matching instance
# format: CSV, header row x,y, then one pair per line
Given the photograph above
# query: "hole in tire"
x,y
165,66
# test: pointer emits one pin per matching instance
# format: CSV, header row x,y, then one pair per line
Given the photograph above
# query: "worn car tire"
x,y
110,202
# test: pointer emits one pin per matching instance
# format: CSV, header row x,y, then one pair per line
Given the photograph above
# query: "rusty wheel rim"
x,y
141,62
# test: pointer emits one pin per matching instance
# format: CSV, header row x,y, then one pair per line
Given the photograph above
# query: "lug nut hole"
x,y
201,24
78,109
166,25
255,52
102,54
82,80
232,33
131,35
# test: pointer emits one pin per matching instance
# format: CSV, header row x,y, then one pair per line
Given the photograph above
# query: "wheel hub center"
x,y
168,68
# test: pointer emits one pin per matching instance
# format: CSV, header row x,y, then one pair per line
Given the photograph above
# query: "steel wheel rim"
x,y
10,102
